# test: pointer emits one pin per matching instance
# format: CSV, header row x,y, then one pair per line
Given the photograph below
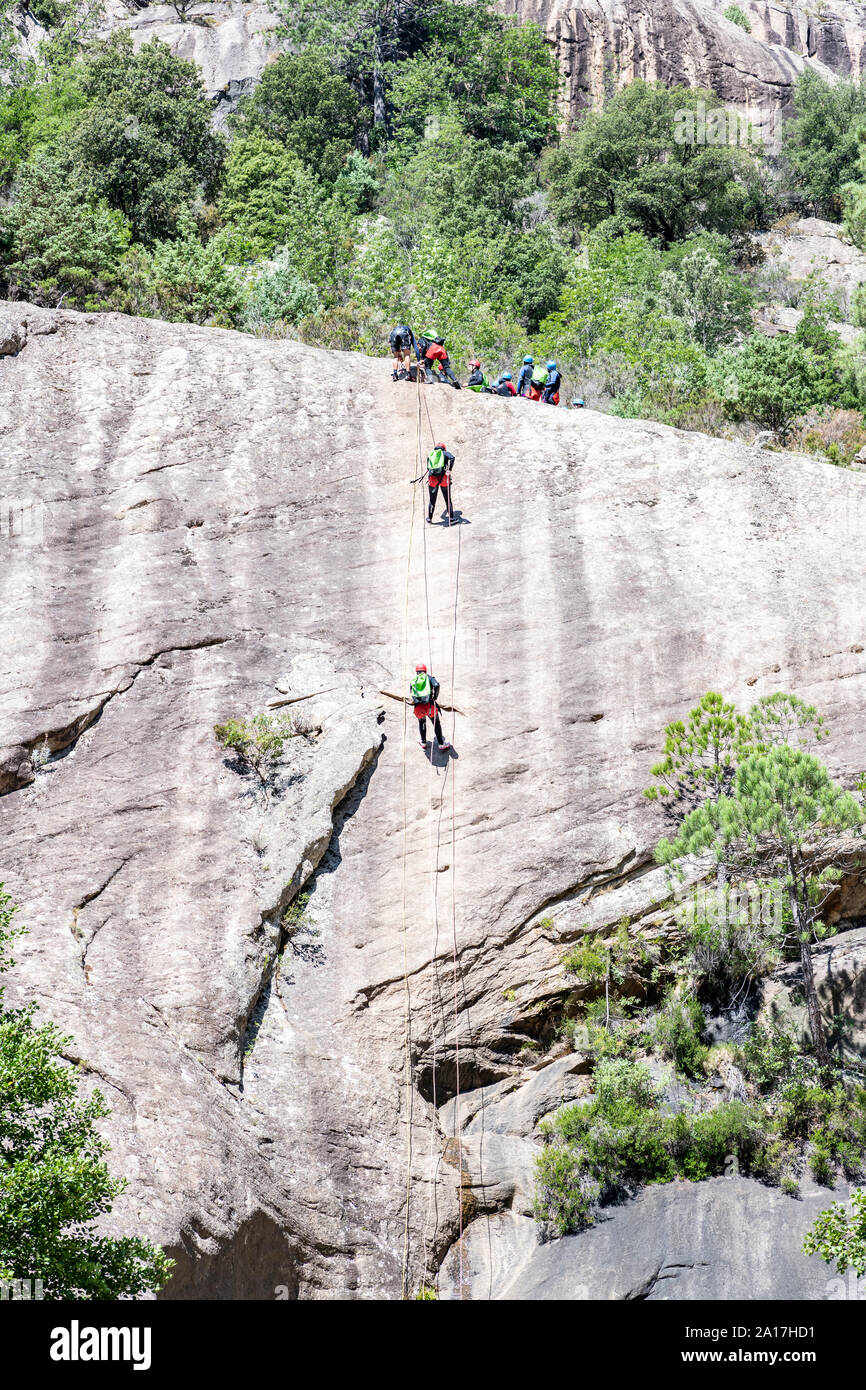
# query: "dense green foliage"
x,y
751,787
54,1181
407,163
839,1235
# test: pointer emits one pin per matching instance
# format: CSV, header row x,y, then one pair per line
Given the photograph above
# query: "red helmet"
x,y
421,666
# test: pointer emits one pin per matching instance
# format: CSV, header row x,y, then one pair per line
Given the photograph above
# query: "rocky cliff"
x,y
606,43
601,44
199,524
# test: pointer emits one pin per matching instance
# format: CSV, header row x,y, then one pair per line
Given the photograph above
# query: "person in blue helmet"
x,y
505,386
525,377
553,381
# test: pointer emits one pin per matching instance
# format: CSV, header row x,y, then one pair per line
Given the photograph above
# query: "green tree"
x,y
498,79
367,34
145,142
821,142
700,755
773,380
54,1181
711,300
624,166
269,196
780,823
62,243
303,104
839,1235
183,280
36,113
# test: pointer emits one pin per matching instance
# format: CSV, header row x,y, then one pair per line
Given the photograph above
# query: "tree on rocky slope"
x,y
145,141
780,824
820,143
54,1181
624,169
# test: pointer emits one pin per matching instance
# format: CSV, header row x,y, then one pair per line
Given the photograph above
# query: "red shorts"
x,y
425,711
534,393
434,482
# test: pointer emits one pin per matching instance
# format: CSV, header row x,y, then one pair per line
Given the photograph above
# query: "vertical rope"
x,y
408,992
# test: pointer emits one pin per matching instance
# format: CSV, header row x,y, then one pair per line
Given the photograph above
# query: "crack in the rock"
x,y
64,738
79,907
596,884
273,917
643,1291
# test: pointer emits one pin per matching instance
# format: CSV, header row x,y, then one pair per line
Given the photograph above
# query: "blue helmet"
x,y
506,376
527,362
551,366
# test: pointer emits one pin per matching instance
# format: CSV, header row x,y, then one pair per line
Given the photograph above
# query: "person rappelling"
x,y
440,462
424,690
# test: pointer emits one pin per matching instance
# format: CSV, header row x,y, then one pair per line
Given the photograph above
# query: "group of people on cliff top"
x,y
535,381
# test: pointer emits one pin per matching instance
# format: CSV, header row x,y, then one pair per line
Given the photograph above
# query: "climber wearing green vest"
x,y
537,382
439,466
424,690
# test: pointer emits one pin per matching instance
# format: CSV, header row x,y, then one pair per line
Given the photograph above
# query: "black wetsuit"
x,y
402,339
551,386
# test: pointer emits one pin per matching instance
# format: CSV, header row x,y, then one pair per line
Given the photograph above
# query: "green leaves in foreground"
x,y
54,1181
839,1234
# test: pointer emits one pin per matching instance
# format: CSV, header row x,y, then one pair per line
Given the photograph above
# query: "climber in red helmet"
x,y
439,465
424,690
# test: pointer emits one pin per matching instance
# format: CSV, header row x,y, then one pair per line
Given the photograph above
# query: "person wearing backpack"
x,y
424,690
537,382
525,377
402,343
430,351
553,381
439,466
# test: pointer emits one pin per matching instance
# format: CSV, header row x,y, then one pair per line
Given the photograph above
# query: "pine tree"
x,y
781,823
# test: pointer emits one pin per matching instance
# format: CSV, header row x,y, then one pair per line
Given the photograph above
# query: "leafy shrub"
x,y
62,242
258,742
278,294
839,1235
620,1140
736,16
732,1130
768,1054
676,1033
184,280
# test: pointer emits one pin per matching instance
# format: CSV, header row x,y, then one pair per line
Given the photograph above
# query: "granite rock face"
x,y
607,43
810,248
199,524
725,1238
600,44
